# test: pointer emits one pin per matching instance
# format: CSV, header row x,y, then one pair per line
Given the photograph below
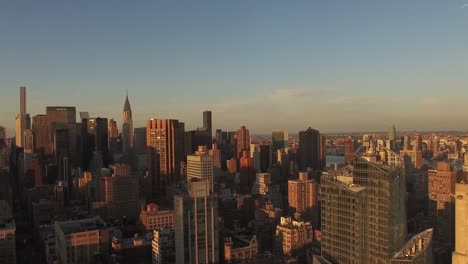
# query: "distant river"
x,y
332,159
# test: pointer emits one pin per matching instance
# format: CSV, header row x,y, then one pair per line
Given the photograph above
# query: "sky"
x,y
336,66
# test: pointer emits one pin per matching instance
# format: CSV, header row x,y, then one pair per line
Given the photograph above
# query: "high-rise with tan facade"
x,y
301,193
23,120
460,255
200,167
441,202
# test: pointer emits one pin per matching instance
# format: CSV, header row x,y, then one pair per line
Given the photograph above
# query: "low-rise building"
x,y
81,241
154,218
239,249
292,235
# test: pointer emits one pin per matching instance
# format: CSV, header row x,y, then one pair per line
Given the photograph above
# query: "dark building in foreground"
x,y
363,212
196,225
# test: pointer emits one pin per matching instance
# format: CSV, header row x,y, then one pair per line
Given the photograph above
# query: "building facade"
x,y
311,150
81,241
196,225
166,137
200,167
301,193
153,218
242,141
441,209
7,234
163,246
363,212
240,250
293,235
460,255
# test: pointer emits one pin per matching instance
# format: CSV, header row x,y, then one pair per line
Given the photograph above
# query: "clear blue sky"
x,y
333,65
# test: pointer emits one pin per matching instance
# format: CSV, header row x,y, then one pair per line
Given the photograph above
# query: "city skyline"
x,y
363,65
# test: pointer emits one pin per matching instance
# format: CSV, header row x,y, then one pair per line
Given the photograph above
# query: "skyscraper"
x,y
113,135
215,153
23,121
61,114
162,246
3,138
279,140
311,149
301,193
127,127
58,117
40,132
94,138
392,133
262,184
118,195
196,225
349,149
246,172
22,100
441,202
417,142
207,124
242,141
139,139
363,212
200,167
460,255
166,136
202,136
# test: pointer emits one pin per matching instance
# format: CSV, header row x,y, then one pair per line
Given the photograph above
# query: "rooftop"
x,y
416,246
84,225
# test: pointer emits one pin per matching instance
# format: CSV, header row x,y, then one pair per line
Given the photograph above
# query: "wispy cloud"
x,y
287,93
428,101
464,6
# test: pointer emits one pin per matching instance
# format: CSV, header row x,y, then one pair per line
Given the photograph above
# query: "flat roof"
x,y
84,225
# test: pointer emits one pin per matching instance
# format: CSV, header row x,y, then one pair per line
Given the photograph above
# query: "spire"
x,y
127,107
